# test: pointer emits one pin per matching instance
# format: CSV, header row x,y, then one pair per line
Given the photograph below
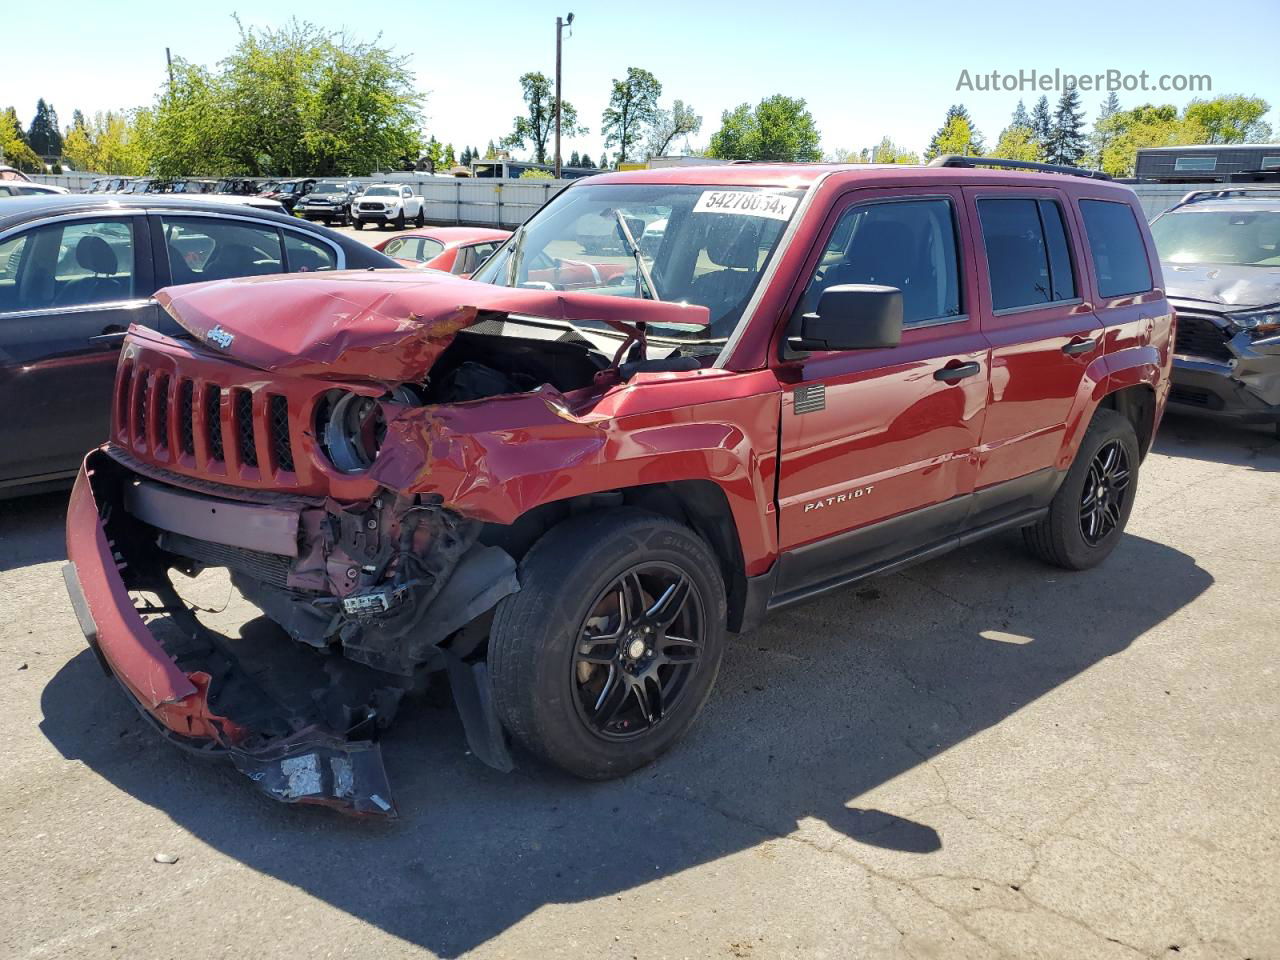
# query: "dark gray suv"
x,y
1220,250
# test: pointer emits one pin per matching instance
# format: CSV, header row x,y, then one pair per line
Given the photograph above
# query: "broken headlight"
x,y
1258,322
351,427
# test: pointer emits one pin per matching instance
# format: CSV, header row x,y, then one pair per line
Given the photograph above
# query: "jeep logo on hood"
x,y
221,337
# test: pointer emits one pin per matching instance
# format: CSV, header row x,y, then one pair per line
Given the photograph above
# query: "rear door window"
x,y
216,249
1028,257
1119,255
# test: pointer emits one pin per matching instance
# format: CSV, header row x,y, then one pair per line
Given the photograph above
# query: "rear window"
x,y
1119,255
1028,256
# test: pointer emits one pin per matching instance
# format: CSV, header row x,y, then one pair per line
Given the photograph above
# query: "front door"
x,y
877,448
68,291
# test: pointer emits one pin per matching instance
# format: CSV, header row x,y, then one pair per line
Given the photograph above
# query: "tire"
x,y
400,219
556,705
1083,526
421,219
357,223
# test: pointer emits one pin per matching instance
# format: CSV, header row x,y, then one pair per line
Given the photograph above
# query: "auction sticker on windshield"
x,y
748,203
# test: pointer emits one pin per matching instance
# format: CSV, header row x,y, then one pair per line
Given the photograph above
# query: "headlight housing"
x,y
351,427
1263,321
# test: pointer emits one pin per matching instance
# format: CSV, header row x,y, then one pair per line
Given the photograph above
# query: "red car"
x,y
458,250
566,498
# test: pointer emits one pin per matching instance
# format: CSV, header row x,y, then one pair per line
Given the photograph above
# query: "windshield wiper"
x,y
641,269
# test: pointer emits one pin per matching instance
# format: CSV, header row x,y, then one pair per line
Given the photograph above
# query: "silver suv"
x,y
1220,250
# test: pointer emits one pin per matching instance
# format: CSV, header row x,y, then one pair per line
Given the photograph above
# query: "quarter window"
x,y
1028,257
305,256
908,244
1119,255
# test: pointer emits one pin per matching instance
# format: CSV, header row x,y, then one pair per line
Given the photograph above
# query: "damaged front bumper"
x,y
1245,387
298,718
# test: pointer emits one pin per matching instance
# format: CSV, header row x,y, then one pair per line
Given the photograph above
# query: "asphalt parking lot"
x,y
981,756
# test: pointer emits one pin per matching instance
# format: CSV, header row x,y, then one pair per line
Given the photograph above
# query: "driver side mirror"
x,y
852,316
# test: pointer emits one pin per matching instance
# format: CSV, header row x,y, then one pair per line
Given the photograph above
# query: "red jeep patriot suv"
x,y
561,484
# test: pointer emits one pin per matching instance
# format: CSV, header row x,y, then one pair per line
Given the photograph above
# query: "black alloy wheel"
x,y
637,650
1105,490
604,657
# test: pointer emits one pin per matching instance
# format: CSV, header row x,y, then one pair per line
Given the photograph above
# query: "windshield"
x,y
675,242
1248,237
288,186
382,192
329,186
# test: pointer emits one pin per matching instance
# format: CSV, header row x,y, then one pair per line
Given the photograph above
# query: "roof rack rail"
x,y
1195,196
955,160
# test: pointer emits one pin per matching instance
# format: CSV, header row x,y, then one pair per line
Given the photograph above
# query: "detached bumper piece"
x,y
300,723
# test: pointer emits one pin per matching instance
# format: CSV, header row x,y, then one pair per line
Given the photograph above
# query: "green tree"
x,y
1017,140
289,101
633,105
1231,118
1041,126
450,158
971,145
886,151
1020,117
778,128
1067,144
110,143
957,138
586,162
604,161
574,159
465,158
669,125
490,152
13,148
1099,138
537,175
43,136
539,121
1016,143
1148,125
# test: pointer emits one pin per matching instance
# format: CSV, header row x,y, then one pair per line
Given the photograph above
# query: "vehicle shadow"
x,y
1255,447
811,713
33,529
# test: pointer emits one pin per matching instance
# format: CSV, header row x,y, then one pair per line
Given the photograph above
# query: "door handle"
x,y
954,372
1078,346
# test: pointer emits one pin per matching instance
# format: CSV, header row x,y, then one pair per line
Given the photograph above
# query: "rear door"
x,y
877,446
69,289
1043,334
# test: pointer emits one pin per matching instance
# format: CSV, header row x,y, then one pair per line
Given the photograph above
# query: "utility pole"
x,y
561,23
169,60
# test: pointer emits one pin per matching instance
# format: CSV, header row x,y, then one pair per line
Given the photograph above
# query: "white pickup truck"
x,y
388,203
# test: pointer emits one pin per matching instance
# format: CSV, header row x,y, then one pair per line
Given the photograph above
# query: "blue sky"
x,y
866,70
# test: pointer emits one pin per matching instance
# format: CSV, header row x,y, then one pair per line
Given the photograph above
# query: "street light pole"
x,y
561,23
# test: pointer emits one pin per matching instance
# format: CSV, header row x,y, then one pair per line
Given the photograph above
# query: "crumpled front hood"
x,y
1232,285
387,326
